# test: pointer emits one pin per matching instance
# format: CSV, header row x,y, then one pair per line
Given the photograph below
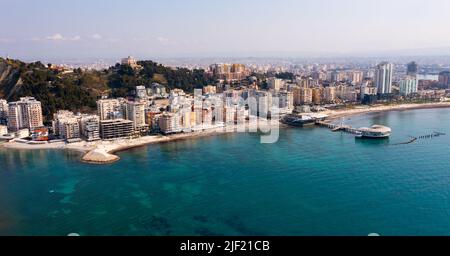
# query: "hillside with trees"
x,y
79,90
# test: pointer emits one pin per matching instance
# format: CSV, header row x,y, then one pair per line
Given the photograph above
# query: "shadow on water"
x,y
372,142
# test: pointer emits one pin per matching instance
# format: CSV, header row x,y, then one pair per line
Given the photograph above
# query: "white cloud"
x,y
97,37
55,37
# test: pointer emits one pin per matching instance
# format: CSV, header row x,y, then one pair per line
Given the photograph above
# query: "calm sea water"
x,y
312,182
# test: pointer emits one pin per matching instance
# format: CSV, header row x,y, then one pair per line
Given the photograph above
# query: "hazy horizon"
x,y
199,28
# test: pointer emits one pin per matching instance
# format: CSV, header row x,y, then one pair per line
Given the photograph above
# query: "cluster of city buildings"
x,y
322,86
142,114
152,109
229,72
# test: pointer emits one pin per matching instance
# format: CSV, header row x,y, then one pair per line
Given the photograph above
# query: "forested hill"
x,y
79,90
123,78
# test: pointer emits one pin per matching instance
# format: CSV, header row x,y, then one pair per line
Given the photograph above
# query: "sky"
x,y
211,28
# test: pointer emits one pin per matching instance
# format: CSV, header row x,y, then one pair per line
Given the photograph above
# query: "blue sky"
x,y
189,28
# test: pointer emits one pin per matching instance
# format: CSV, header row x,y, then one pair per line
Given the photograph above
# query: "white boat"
x,y
358,134
376,132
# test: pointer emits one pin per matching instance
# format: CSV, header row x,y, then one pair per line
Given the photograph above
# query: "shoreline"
x,y
334,114
104,152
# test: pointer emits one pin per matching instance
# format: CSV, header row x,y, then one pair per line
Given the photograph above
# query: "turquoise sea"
x,y
311,182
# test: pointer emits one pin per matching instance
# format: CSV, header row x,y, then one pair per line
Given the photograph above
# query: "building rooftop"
x,y
377,128
116,121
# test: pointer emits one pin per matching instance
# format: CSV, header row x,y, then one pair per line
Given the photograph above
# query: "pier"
x,y
339,127
375,131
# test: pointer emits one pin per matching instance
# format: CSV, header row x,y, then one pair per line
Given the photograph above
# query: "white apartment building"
x,y
366,89
275,83
90,127
141,92
110,109
285,101
383,77
408,86
263,104
158,90
25,114
169,123
207,116
70,129
66,125
136,114
229,114
329,94
302,96
346,93
356,77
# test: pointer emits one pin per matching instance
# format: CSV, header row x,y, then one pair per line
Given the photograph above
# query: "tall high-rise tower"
x,y
383,77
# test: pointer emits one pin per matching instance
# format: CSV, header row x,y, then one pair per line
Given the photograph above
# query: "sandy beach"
x,y
103,152
333,114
